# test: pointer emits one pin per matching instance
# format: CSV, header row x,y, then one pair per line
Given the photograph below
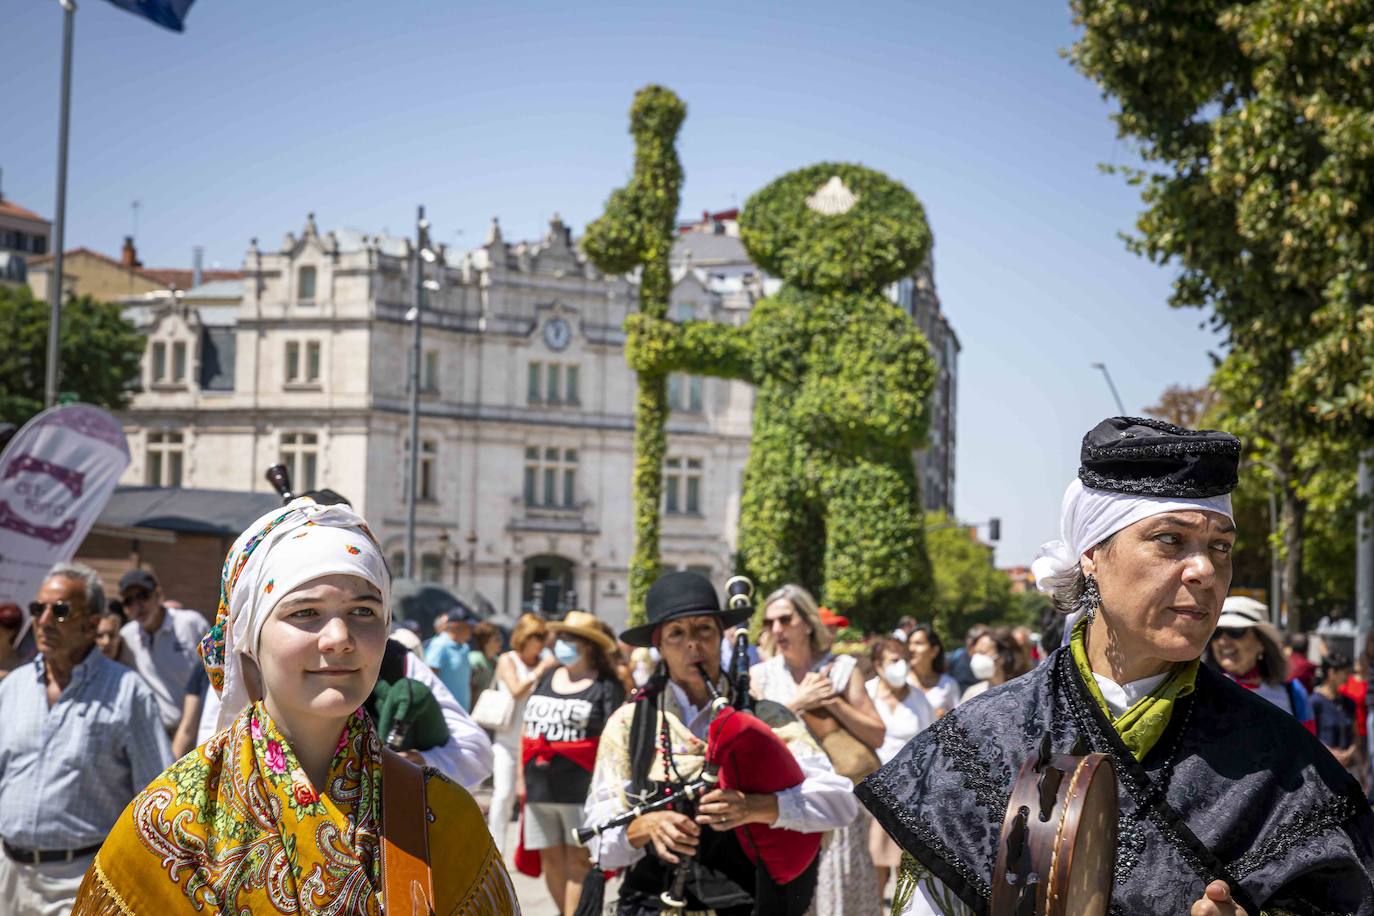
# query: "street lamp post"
x,y
1110,384
412,484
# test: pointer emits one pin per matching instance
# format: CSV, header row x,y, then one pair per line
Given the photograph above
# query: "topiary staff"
x,y
637,230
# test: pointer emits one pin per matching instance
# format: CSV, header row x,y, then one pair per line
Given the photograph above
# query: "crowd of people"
x,y
147,748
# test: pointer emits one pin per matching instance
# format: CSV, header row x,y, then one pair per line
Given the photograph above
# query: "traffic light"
x,y
994,529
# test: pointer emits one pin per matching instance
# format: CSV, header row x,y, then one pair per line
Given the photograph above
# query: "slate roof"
x,y
222,512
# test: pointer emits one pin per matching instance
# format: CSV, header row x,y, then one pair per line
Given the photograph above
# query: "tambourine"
x,y
1057,851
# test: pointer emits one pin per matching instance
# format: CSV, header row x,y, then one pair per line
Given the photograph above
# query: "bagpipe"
x,y
1057,851
742,753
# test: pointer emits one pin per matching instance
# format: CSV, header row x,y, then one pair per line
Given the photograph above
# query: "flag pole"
x,y
60,216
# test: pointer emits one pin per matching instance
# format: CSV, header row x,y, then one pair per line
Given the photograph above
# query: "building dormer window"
x,y
305,286
168,362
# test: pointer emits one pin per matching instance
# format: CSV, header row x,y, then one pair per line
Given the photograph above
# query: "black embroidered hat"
x,y
1148,457
680,594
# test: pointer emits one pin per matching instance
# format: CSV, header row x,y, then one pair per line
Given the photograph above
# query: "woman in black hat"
x,y
660,737
1227,804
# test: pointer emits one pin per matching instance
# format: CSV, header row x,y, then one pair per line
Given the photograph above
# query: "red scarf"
x,y
542,750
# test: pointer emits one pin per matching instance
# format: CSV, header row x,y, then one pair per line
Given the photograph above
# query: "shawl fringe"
x,y
97,896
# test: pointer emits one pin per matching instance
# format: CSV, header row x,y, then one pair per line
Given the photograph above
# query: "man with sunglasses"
x,y
81,737
162,641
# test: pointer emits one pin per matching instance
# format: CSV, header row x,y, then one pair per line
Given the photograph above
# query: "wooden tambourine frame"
x,y
1057,850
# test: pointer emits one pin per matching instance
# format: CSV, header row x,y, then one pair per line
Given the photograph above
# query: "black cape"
x,y
1236,789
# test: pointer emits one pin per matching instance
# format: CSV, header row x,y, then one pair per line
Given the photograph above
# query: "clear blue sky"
x,y
358,111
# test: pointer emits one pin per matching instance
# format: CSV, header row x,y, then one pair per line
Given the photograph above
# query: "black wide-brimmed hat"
x,y
1147,457
681,594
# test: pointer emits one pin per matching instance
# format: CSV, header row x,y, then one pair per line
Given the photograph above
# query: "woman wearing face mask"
x,y
904,711
294,806
928,669
994,661
1227,805
564,718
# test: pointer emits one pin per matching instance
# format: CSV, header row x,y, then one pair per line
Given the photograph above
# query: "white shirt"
x,y
1121,697
910,716
166,657
945,695
824,800
465,758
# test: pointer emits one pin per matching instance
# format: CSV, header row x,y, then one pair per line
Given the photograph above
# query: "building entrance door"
x,y
547,587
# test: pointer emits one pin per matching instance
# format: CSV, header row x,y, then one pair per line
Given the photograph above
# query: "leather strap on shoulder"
x,y
407,884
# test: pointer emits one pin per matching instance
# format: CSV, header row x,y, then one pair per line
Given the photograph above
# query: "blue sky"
x,y
358,111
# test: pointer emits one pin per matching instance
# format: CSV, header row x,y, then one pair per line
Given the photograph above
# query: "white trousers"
x,y
40,890
503,764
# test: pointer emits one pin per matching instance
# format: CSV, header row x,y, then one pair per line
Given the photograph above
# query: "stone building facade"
x,y
526,407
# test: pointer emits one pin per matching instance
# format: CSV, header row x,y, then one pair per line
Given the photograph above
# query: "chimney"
x,y
129,256
197,258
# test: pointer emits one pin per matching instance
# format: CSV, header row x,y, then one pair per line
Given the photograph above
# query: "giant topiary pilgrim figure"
x,y
842,374
637,230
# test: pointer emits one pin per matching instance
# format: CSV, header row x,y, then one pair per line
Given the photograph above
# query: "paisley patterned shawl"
x,y
236,827
1234,789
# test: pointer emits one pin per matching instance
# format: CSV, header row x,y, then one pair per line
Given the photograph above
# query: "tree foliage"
x,y
100,353
830,497
967,588
1256,124
637,230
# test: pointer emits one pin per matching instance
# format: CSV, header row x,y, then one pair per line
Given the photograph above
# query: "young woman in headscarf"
x,y
289,807
1227,805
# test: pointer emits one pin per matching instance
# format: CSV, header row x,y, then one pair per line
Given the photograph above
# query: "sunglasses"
x,y
1231,632
137,595
60,609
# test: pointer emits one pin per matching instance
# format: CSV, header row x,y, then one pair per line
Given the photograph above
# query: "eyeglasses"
x,y
1231,632
60,609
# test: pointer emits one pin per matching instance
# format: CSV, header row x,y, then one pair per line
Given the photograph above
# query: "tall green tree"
x,y
968,589
100,353
637,231
1255,121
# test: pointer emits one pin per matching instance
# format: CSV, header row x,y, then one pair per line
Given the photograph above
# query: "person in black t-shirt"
x,y
1333,713
564,718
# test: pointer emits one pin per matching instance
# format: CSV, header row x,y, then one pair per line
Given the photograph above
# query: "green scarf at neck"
x,y
1141,726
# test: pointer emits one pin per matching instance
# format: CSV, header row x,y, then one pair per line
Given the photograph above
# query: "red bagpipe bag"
x,y
753,759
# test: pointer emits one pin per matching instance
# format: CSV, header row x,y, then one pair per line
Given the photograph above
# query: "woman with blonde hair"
x,y
517,671
294,806
805,676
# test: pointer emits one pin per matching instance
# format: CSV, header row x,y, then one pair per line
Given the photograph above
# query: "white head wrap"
x,y
1089,516
282,550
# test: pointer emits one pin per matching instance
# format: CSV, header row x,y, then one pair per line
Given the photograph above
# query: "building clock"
x,y
557,334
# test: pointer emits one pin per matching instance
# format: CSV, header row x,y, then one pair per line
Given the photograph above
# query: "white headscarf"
x,y
1088,517
282,550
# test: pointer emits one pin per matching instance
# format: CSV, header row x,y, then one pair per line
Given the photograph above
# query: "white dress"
x,y
505,760
846,884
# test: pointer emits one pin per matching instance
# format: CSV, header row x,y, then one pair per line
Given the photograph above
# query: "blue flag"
x,y
168,13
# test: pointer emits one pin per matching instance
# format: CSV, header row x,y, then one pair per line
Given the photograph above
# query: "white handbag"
x,y
493,709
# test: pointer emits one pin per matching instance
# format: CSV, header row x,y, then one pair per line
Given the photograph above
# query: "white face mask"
x,y
983,666
895,673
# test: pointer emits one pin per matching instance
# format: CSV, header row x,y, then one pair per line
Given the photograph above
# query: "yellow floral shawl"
x,y
236,827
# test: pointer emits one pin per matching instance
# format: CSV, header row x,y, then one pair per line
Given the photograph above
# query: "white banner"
x,y
56,476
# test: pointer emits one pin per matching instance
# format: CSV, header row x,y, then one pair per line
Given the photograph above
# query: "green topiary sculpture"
x,y
830,497
637,230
